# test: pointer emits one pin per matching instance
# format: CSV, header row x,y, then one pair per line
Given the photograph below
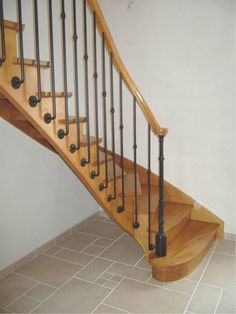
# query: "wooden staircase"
x,y
190,228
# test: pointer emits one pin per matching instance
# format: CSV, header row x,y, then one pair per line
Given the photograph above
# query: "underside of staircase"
x,y
190,228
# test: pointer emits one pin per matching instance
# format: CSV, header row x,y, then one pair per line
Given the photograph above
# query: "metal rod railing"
x,y
48,117
33,100
62,133
103,186
150,245
16,81
110,196
3,40
136,223
93,172
74,147
83,161
121,208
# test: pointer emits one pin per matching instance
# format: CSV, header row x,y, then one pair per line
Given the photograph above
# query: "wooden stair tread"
x,y
111,172
32,62
188,244
93,140
174,214
129,184
13,25
102,158
57,94
72,120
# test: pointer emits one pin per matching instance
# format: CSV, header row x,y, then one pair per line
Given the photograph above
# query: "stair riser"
x,y
173,232
10,40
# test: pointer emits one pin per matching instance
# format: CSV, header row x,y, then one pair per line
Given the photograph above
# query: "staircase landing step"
x,y
57,94
73,120
32,62
185,253
13,25
93,140
102,158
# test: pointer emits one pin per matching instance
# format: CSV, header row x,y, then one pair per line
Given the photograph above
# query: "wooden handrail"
x,y
103,28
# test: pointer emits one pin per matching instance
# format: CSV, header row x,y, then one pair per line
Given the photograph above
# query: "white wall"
x,y
181,54
39,196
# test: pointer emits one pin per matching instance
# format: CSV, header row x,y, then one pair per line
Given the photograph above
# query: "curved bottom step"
x,y
185,252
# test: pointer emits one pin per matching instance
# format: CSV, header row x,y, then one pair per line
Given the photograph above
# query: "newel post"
x,y
161,239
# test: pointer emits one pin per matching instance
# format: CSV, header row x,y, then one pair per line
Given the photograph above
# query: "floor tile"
x,y
195,275
103,229
225,247
107,275
103,242
111,284
225,309
101,281
221,271
3,310
205,299
53,250
93,250
92,271
75,257
40,292
76,296
228,297
125,250
106,309
183,285
23,305
116,278
13,287
137,297
77,241
132,272
144,263
49,270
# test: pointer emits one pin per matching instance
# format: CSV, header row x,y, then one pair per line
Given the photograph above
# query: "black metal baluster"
x,y
161,239
83,161
94,173
103,186
33,100
136,223
74,147
112,197
16,81
48,117
3,41
62,133
150,245
121,208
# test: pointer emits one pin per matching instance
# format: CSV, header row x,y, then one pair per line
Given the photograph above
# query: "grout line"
x,y
107,269
105,297
139,260
38,281
21,296
149,278
198,283
63,260
218,302
116,308
92,234
25,295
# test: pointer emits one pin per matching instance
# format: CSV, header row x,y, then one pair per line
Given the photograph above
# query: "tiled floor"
x,y
99,269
